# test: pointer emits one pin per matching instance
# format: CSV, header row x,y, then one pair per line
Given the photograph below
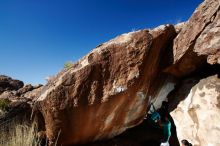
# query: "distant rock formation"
x,y
8,84
20,98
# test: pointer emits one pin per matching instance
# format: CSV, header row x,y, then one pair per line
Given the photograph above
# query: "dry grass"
x,y
18,133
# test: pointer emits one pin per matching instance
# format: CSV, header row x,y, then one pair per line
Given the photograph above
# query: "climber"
x,y
154,115
185,143
166,126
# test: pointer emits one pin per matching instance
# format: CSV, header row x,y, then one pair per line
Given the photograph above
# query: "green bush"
x,y
4,103
68,65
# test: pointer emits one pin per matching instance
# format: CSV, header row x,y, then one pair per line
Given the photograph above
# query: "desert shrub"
x,y
68,65
4,103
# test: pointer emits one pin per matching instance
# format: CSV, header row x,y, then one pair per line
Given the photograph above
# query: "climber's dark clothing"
x,y
163,111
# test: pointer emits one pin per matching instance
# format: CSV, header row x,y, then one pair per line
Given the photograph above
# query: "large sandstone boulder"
x,y
197,116
198,40
107,91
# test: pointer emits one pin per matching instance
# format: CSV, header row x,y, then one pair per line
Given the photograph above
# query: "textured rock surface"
x,y
208,43
198,40
33,94
179,26
25,89
105,93
197,117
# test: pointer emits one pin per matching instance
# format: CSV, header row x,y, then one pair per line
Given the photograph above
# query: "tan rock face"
x,y
198,41
197,117
106,92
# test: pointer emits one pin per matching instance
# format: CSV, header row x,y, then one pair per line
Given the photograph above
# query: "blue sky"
x,y
38,36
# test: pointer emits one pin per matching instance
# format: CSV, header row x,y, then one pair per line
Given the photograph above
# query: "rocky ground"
x,y
103,98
